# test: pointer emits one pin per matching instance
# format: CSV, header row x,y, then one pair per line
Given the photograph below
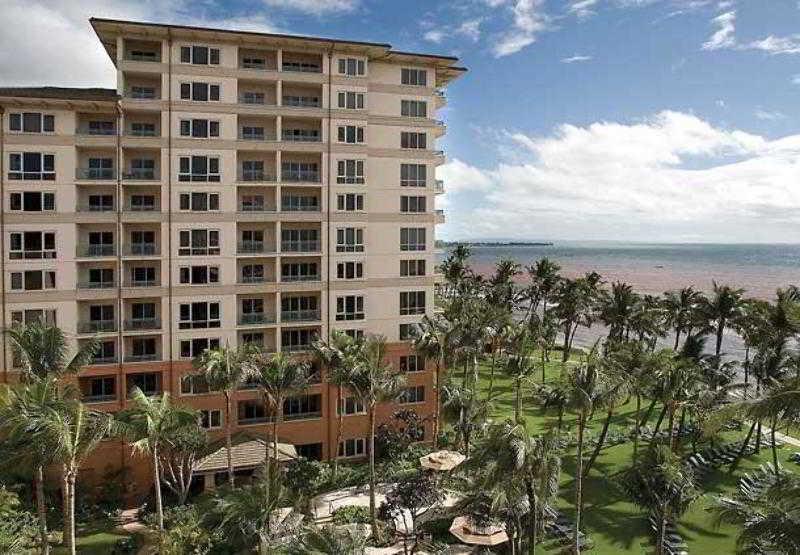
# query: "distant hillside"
x,y
445,244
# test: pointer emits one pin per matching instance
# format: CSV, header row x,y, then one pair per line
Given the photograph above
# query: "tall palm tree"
x,y
680,308
72,432
617,310
374,381
432,341
44,351
223,369
331,540
576,306
512,458
519,364
721,308
544,278
149,424
467,410
751,325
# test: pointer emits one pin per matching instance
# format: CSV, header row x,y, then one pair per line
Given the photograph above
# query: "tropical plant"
x,y
151,425
179,457
680,310
467,411
433,341
411,496
17,526
617,310
577,301
43,351
722,308
331,540
519,363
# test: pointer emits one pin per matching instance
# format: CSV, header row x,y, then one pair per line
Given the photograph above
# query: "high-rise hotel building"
x,y
235,188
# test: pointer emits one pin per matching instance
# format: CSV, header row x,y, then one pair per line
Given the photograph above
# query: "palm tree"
x,y
432,341
72,432
723,307
510,458
223,370
338,356
544,278
331,540
680,308
576,306
150,424
467,410
21,410
374,381
751,325
587,387
617,310
44,351
519,364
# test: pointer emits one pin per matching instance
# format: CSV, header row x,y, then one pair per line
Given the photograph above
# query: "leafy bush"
x,y
350,514
17,526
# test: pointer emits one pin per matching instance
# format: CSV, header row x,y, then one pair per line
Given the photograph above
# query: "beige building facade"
x,y
235,188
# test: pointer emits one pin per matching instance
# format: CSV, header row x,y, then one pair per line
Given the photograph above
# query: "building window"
x,y
32,245
350,172
412,204
198,168
302,406
300,171
352,66
413,175
32,166
33,280
408,332
106,352
199,92
210,419
198,275
252,412
354,447
349,239
30,316
413,394
199,202
416,77
193,384
253,273
198,242
142,92
297,340
310,451
410,139
142,203
31,122
192,348
300,271
101,203
409,268
253,338
351,405
349,270
299,203
142,129
350,100
354,333
294,309
412,363
350,202
143,276
351,134
199,55
412,302
199,315
148,383
33,201
414,108
412,239
349,307
199,128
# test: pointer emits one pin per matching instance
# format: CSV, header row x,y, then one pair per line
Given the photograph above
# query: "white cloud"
x,y
796,79
470,29
434,35
317,7
582,8
529,20
71,55
673,175
724,37
720,103
777,45
768,115
575,59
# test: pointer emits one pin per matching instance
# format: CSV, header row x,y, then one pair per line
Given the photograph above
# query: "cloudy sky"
x,y
651,120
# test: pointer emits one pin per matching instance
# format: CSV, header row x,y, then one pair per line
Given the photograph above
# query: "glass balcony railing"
x,y
96,284
293,278
137,324
301,136
110,359
142,249
142,283
142,357
253,247
253,279
97,326
309,176
301,67
140,174
96,174
300,315
301,101
98,398
96,250
255,318
300,246
256,176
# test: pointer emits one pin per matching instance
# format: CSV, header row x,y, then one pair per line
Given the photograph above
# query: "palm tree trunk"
x,y
599,445
69,532
437,410
774,446
648,413
372,517
340,418
758,437
636,428
565,352
742,449
681,425
671,431
662,532
41,510
720,333
491,375
228,441
560,417
533,523
660,419
544,377
746,370
518,401
677,339
157,486
579,482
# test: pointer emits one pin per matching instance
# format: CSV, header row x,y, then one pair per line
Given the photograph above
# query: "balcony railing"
x,y
96,207
253,279
301,102
300,176
289,279
143,57
439,212
438,186
142,207
140,174
96,174
142,283
257,99
296,348
97,284
302,416
138,324
253,247
147,94
142,133
295,207
96,250
96,131
97,326
254,420
112,359
30,254
300,315
301,67
255,176
302,136
146,357
255,136
300,246
142,249
254,207
98,398
262,66
255,318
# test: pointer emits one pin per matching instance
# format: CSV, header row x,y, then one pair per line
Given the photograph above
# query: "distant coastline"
x,y
493,244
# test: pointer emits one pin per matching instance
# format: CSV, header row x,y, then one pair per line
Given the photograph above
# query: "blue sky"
x,y
656,120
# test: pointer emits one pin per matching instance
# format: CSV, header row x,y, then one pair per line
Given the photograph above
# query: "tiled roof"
x,y
246,454
64,93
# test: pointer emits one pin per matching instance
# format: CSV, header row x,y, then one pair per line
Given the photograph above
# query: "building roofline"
x,y
61,93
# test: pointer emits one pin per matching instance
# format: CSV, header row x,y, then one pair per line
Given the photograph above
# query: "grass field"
x,y
614,524
98,538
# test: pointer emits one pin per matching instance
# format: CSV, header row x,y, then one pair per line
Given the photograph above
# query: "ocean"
x,y
760,269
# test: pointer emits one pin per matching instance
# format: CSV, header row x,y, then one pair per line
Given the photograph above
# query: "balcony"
x,y
87,207
291,279
96,174
142,283
29,254
142,56
142,93
97,284
95,131
140,207
253,99
249,280
302,416
142,249
301,66
89,399
301,102
254,420
93,251
144,357
300,246
254,207
299,207
139,324
255,176
300,176
97,326
140,174
143,132
438,186
253,247
253,135
255,319
111,359
300,315
301,135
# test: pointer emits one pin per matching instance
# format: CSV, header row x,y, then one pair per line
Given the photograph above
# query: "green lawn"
x,y
614,524
97,538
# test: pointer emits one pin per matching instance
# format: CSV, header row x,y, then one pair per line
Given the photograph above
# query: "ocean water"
x,y
760,269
